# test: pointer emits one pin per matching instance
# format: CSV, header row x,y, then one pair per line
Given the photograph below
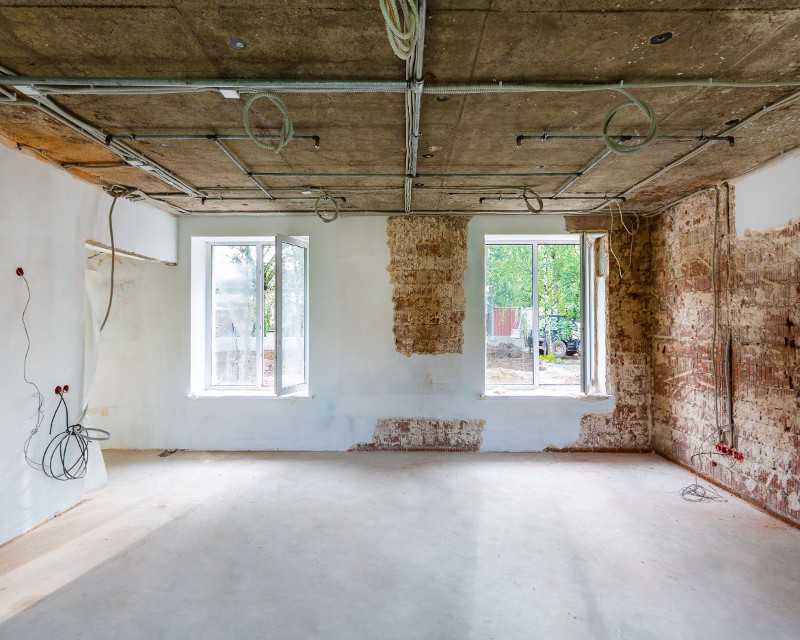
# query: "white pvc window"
x,y
292,314
256,322
540,313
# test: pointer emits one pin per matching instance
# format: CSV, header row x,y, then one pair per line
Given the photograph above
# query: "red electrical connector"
x,y
725,450
66,388
20,272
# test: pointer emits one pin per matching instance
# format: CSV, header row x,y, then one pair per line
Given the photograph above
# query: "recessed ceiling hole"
x,y
661,38
237,44
730,123
442,98
427,155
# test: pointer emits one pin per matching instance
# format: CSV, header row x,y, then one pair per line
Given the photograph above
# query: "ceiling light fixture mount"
x,y
661,38
237,44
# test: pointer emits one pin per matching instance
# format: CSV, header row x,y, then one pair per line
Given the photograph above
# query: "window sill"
x,y
243,393
553,391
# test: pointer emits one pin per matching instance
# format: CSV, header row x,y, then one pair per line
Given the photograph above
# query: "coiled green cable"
x,y
287,130
647,109
402,41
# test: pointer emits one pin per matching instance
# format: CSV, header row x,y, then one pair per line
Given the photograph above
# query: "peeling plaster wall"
x,y
45,220
426,267
629,426
356,375
765,321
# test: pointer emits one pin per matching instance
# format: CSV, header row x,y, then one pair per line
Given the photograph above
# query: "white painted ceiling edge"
x,y
769,197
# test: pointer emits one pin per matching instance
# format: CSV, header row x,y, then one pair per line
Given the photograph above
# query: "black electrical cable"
x,y
66,456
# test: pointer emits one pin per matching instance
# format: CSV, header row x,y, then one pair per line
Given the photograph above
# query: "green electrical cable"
x,y
402,41
326,217
287,130
647,109
539,202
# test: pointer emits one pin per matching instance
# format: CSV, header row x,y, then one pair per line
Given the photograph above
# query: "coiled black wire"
x,y
67,454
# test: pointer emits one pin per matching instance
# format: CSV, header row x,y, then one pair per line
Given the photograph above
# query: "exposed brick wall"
x,y
428,257
629,426
765,314
424,434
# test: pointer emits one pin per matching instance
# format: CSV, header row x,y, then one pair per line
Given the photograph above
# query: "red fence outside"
x,y
505,320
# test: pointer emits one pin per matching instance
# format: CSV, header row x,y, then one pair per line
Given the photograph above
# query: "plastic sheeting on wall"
x,y
96,476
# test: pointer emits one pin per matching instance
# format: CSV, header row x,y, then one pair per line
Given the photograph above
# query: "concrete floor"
x,y
400,545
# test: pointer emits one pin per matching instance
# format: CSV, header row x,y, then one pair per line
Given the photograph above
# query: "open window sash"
x,y
291,315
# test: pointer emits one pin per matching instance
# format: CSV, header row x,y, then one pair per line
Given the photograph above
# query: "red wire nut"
x,y
66,388
58,390
739,455
718,446
20,272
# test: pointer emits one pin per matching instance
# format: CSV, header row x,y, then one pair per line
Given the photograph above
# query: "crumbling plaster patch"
x,y
424,434
428,257
629,425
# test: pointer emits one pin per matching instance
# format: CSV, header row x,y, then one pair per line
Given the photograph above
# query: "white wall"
x,y
769,197
356,376
142,230
46,216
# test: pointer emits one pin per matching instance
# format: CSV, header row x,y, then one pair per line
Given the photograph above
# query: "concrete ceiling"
x,y
473,41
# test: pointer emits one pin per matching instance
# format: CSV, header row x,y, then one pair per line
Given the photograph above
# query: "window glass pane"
x,y
559,267
510,355
269,317
234,303
293,315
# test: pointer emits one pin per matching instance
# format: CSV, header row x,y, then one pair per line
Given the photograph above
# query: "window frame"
x,y
280,239
202,317
590,307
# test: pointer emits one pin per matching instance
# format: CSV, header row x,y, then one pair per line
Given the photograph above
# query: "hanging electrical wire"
x,y
631,231
696,492
37,392
287,129
116,192
403,38
67,454
539,204
323,215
